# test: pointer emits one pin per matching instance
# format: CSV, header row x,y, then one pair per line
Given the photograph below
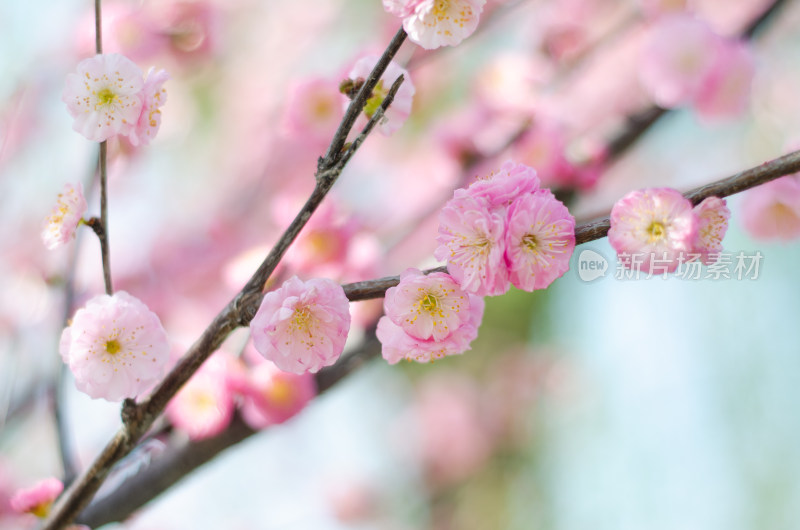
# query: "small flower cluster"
x,y
109,96
428,317
399,110
660,225
505,230
435,23
264,395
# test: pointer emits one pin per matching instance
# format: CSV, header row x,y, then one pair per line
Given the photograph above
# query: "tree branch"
x,y
183,457
137,419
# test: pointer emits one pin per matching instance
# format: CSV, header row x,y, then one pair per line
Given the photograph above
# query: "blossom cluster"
x,y
505,230
660,227
435,23
264,394
60,226
109,96
428,317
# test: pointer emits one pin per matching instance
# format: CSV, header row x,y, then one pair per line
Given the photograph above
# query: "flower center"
x,y
657,231
440,8
374,102
280,393
113,346
530,241
302,318
429,303
106,97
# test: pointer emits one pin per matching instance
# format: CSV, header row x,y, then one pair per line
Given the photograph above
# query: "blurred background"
x,y
659,403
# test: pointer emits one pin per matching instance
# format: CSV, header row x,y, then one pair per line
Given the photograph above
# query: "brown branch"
x,y
182,458
137,419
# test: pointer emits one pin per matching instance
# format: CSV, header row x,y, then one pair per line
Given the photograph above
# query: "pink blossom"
x,y
540,238
61,224
302,326
472,241
37,499
204,406
544,147
677,57
104,96
435,23
725,92
398,111
398,344
502,188
153,98
115,347
657,225
313,110
427,306
273,396
772,210
712,217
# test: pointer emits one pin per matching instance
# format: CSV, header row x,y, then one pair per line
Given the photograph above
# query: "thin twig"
x,y
137,419
181,459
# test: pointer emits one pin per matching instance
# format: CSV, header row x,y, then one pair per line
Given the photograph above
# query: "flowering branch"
x,y
138,418
183,457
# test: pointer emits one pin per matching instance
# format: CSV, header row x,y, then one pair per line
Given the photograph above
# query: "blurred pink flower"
x,y
115,347
472,242
543,146
540,238
302,326
204,406
61,224
398,111
712,217
454,437
153,98
397,344
772,210
104,96
656,225
427,306
677,57
192,28
313,110
273,396
37,499
435,23
725,92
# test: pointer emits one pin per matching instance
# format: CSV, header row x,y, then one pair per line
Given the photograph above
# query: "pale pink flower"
x,y
313,110
397,345
37,499
454,437
427,306
657,225
725,92
435,23
677,57
204,406
61,224
543,146
772,210
115,347
104,96
540,238
153,98
398,111
302,326
272,396
712,217
472,241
